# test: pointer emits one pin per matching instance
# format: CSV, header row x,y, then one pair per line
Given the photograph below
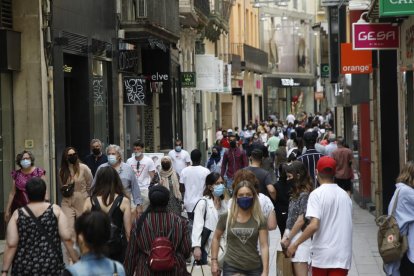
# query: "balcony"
x,y
252,58
194,12
145,18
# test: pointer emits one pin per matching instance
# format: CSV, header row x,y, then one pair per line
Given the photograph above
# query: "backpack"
x,y
161,255
115,242
392,245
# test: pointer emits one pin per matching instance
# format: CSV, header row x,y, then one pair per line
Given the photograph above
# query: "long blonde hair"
x,y
406,175
256,210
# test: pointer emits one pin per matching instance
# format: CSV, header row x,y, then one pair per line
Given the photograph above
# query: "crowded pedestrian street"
x,y
207,137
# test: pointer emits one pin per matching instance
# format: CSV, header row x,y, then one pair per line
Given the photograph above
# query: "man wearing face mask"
x,y
180,157
144,169
233,160
96,158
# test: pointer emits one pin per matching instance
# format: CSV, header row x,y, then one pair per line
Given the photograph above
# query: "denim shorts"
x,y
230,271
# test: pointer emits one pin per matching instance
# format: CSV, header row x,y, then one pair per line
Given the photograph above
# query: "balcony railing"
x,y
163,14
254,58
203,7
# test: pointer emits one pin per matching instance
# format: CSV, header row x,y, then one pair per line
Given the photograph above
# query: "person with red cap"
x,y
330,213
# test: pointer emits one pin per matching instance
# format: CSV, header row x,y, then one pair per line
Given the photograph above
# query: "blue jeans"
x,y
229,184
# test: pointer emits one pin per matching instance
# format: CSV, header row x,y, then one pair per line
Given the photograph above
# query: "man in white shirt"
x,y
290,118
330,212
144,169
193,180
180,158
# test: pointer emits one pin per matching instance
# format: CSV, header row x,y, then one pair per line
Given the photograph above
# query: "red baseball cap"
x,y
326,165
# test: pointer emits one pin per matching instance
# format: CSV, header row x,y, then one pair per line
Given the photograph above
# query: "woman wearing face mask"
x,y
245,226
206,214
214,162
18,196
75,179
298,177
128,179
169,179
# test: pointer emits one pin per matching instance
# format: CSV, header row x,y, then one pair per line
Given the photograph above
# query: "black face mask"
x,y
233,144
291,182
165,166
72,159
214,154
96,151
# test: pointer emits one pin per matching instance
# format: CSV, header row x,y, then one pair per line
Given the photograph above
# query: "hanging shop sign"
x,y
188,79
325,70
134,90
355,62
289,82
206,72
396,7
375,36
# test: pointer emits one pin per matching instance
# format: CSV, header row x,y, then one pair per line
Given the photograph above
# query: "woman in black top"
x,y
108,196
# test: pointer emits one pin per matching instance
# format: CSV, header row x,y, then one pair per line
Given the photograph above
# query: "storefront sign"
x,y
98,88
375,36
325,70
289,82
134,90
127,60
355,62
396,7
188,79
206,72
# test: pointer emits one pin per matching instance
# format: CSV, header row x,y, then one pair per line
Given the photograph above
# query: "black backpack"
x,y
116,241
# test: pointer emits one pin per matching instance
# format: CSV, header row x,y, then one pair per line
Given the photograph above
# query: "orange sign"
x,y
355,62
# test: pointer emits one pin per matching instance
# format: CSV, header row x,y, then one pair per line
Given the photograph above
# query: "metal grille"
x,y
6,18
141,8
74,42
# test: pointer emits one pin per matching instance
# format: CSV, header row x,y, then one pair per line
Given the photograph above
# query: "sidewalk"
x,y
366,260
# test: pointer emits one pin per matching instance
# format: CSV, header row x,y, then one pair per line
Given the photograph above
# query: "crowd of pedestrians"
x,y
132,218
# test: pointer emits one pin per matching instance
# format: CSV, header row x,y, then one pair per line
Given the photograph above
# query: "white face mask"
x,y
25,163
138,154
112,159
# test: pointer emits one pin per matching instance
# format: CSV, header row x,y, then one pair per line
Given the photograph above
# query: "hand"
x,y
197,253
285,242
7,216
290,252
215,271
139,210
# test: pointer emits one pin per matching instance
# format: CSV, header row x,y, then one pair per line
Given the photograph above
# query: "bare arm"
x,y
126,209
47,196
151,174
300,221
64,232
215,244
264,249
9,202
272,191
309,231
271,221
12,241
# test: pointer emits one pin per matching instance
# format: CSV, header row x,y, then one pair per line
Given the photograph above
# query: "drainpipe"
x,y
51,119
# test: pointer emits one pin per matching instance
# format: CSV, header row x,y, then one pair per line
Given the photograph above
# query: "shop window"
x,y
100,100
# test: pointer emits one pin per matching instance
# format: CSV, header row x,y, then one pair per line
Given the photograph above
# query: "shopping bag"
x,y
283,265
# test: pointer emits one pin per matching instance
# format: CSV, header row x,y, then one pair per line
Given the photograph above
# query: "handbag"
x,y
192,268
67,190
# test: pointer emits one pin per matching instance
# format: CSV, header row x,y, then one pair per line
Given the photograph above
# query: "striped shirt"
x,y
310,158
142,236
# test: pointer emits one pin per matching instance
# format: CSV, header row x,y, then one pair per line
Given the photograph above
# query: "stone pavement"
x,y
366,260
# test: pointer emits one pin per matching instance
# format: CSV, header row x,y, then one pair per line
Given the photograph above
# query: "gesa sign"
x,y
375,36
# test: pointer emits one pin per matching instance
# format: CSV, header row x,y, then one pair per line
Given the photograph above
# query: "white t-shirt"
x,y
194,180
290,118
179,160
145,165
332,243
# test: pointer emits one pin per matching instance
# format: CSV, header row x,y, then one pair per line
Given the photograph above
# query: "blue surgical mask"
x,y
25,163
178,148
245,202
218,190
112,159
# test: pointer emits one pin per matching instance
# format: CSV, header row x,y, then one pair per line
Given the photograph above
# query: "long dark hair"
x,y
303,181
107,184
64,171
95,227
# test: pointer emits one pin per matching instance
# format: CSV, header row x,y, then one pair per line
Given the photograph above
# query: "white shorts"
x,y
302,255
